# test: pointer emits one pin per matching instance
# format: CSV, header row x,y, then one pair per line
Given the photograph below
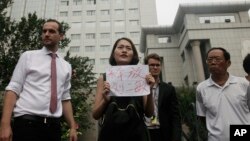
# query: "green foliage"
x,y
197,129
17,37
82,81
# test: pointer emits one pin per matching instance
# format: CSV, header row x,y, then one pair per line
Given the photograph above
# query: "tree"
x,y
19,36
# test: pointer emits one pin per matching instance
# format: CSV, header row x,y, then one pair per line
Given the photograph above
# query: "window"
x,y
61,50
105,35
90,36
91,62
119,12
104,61
90,25
64,2
227,20
133,11
75,36
119,34
104,1
134,34
105,24
90,12
77,13
207,21
77,2
217,19
76,25
134,22
64,14
165,39
119,23
105,47
74,49
91,2
105,12
89,48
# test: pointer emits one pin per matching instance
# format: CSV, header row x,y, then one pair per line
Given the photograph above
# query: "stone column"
x,y
198,60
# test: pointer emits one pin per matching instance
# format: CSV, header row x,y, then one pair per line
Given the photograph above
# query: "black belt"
x,y
39,119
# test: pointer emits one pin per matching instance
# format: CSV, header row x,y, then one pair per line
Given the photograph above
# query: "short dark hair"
x,y
226,54
152,56
246,63
135,58
60,27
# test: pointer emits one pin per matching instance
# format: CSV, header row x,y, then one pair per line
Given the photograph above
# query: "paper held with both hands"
x,y
128,80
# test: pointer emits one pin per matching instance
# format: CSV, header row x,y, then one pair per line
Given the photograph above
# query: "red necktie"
x,y
53,99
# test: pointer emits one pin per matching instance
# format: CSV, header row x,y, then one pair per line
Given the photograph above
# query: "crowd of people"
x,y
39,94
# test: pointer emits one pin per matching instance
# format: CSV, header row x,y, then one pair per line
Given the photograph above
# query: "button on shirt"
x,y
223,106
31,81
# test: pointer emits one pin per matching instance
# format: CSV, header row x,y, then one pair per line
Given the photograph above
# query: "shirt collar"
x,y
47,52
230,80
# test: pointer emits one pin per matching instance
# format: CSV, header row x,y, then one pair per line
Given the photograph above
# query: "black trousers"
x,y
34,128
155,134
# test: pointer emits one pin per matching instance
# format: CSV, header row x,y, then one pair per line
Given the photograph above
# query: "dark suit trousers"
x,y
36,130
155,135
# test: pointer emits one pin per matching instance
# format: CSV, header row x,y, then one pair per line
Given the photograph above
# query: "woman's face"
x,y
123,53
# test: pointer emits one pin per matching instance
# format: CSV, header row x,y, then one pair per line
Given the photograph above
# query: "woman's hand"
x,y
106,91
150,80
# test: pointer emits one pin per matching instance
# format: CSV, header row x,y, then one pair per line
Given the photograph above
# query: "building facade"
x,y
95,24
196,29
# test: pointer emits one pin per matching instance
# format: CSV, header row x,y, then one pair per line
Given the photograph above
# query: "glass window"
x,y
119,11
119,34
77,13
105,12
165,39
75,36
91,62
105,24
90,25
119,23
105,47
89,48
76,25
104,61
133,11
134,22
105,35
90,12
90,36
74,49
77,2
91,2
134,34
64,2
64,14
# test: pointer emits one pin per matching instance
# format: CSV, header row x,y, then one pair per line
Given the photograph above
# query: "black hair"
x,y
226,54
246,63
135,58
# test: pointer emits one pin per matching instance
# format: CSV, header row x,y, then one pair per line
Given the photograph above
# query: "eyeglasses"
x,y
216,60
154,65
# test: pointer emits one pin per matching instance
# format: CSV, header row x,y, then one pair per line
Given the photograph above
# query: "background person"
x,y
221,99
165,125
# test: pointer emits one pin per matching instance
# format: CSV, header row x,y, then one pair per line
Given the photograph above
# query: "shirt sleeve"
x,y
67,85
19,75
200,109
248,97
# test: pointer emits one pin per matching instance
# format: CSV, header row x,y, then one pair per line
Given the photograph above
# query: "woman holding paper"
x,y
123,53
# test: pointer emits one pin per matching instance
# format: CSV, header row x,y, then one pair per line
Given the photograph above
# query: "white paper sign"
x,y
128,80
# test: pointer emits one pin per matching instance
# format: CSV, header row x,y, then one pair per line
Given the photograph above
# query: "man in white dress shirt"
x,y
221,100
29,92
